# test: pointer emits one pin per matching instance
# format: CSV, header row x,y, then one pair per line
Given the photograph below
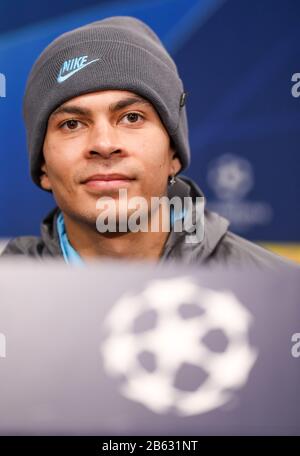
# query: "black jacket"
x,y
219,246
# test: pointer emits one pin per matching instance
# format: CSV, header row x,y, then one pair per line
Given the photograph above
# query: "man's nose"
x,y
104,141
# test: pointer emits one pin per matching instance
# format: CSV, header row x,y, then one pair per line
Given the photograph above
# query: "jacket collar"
x,y
215,228
49,233
176,247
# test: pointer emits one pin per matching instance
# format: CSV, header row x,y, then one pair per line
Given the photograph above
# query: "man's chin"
x,y
121,221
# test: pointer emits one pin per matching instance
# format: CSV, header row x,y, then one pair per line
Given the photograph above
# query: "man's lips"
x,y
107,181
107,177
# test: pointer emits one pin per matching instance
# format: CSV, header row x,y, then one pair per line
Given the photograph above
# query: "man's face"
x,y
93,137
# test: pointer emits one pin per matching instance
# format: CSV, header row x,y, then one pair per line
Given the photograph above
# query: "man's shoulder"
x,y
37,246
239,251
31,246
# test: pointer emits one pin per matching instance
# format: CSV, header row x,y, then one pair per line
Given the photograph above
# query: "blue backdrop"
x,y
236,58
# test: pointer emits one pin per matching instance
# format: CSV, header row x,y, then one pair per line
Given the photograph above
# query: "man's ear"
x,y
175,163
44,179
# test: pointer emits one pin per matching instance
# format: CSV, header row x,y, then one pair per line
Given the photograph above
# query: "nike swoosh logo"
x,y
61,79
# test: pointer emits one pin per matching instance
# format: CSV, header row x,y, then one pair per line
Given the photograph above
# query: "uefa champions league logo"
x,y
231,178
151,338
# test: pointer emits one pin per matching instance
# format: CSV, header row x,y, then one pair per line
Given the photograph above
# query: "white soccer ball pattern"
x,y
174,341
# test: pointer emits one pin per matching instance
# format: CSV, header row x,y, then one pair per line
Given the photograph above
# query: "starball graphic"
x,y
154,335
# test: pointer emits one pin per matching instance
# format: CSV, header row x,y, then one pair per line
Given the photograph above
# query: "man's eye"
x,y
133,117
70,124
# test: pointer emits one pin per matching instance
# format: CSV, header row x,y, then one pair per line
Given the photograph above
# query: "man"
x,y
105,111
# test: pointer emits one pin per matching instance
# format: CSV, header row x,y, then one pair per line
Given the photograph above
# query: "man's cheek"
x,y
61,182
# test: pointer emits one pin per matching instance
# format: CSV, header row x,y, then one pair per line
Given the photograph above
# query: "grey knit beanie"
x,y
114,53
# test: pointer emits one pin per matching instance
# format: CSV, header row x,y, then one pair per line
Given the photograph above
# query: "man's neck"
x,y
89,243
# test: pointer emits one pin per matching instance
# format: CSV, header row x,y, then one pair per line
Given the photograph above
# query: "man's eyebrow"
x,y
71,109
117,106
121,104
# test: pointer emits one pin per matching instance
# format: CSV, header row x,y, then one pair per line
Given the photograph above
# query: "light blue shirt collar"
x,y
69,253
